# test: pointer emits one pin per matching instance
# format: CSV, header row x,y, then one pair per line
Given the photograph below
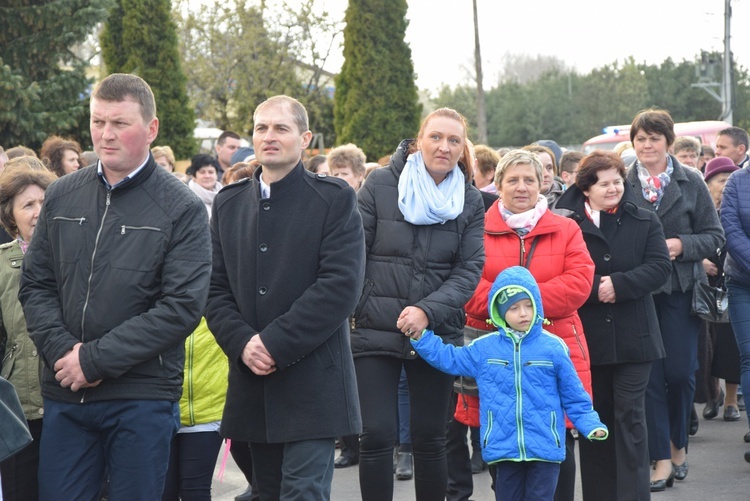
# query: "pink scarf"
x,y
524,222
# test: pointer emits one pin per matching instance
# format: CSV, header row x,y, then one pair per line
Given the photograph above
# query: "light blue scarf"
x,y
423,202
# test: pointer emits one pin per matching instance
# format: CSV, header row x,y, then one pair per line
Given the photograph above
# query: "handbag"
x,y
14,432
709,303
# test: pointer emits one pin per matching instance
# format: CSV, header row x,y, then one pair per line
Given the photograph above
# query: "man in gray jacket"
x,y
288,266
115,279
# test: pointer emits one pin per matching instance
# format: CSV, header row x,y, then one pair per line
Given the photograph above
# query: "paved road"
x,y
718,472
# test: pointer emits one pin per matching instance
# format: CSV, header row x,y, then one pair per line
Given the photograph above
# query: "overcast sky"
x,y
583,33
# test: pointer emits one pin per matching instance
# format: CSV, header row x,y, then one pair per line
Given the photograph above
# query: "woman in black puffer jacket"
x,y
424,225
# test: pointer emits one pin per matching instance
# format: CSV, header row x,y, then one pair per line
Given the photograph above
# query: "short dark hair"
x,y
653,121
13,180
198,162
598,160
739,136
118,87
569,161
227,134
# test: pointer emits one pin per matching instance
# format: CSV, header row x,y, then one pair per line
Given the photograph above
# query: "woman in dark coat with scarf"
x,y
423,223
629,251
679,197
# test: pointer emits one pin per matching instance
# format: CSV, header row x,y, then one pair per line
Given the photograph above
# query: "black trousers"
x,y
460,481
429,394
618,468
191,466
566,480
20,472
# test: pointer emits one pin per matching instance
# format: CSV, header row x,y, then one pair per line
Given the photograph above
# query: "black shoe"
x,y
344,462
248,495
661,485
747,437
680,470
740,402
405,467
731,413
711,410
477,463
747,456
694,423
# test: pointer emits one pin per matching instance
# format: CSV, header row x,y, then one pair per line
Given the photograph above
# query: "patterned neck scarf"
x,y
23,244
653,186
595,215
524,222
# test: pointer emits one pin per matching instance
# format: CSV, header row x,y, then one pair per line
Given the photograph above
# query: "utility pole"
x,y
727,114
706,71
481,112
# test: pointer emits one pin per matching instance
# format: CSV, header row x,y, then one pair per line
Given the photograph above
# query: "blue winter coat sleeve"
x,y
735,220
575,400
459,361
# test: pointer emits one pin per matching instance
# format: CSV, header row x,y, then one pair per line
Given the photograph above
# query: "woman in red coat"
x,y
519,229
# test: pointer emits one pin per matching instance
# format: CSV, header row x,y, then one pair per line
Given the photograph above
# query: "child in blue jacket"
x,y
527,383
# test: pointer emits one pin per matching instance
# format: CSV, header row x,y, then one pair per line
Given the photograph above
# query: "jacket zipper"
x,y
91,274
124,227
79,220
189,377
578,340
519,403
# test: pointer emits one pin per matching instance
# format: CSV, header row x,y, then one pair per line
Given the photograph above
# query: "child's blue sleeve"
x,y
459,361
575,400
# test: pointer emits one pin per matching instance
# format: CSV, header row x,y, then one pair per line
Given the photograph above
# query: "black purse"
x,y
709,302
14,432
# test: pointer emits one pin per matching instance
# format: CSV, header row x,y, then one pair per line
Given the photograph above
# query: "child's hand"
x,y
600,433
414,335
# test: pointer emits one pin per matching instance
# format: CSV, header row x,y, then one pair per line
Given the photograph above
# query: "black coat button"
x,y
266,206
607,257
609,318
263,247
262,291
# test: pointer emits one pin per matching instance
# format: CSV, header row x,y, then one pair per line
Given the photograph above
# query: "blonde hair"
x,y
466,160
347,155
166,152
518,157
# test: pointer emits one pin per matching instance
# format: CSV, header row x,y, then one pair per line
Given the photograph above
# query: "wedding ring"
x,y
408,332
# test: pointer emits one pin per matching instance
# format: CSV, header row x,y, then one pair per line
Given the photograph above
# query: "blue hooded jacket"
x,y
525,383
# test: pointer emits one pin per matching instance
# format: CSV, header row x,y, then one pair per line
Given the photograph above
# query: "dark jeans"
x,y
19,473
191,465
130,438
429,392
294,471
525,480
739,313
671,386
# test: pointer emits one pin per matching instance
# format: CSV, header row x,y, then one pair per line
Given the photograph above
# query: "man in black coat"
x,y
288,267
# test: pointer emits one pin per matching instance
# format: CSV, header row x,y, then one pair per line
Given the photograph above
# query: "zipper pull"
x,y
80,223
109,195
122,230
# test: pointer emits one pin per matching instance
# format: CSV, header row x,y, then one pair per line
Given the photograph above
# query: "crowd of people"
x,y
445,310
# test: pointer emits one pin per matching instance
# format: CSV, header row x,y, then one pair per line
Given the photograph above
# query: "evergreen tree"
x,y
42,83
140,37
376,104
